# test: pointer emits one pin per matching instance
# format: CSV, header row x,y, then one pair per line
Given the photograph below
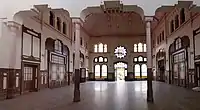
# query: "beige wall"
x,y
112,43
79,32
185,29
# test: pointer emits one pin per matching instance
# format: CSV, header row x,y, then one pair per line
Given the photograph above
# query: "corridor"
x,y
108,96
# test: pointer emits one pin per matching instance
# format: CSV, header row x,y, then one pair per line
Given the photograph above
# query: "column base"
x,y
76,96
77,86
149,86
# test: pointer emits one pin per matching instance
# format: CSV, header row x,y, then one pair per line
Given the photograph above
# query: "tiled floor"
x,y
108,96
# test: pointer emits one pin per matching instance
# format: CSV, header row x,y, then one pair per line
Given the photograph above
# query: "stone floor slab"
x,y
108,96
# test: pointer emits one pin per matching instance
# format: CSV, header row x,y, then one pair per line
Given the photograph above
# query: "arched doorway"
x,y
58,63
120,71
178,52
161,58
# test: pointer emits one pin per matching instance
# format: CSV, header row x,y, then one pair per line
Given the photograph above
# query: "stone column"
x,y
77,65
149,60
13,34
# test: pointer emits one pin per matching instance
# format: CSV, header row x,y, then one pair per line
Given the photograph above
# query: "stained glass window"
x,y
120,52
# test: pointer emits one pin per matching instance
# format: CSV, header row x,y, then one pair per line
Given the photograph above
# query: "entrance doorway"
x,y
30,78
120,71
161,70
197,66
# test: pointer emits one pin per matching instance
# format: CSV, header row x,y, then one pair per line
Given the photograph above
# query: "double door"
x,y
30,81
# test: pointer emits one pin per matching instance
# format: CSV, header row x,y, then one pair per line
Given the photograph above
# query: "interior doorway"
x,y
197,74
161,70
120,71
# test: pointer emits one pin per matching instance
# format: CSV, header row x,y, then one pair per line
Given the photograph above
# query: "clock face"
x,y
120,52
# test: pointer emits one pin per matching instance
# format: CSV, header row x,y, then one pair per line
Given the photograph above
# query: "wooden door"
x,y
30,78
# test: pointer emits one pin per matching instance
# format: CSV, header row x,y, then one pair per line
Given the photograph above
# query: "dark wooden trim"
x,y
31,58
37,66
33,34
30,31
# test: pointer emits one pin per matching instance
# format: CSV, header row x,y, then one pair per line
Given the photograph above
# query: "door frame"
x,y
37,68
197,77
124,69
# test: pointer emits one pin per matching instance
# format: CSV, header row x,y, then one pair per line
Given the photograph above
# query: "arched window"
x,y
145,47
172,26
176,21
178,44
100,47
100,59
140,49
58,46
105,59
145,59
58,23
140,59
51,18
137,71
105,48
144,70
104,70
95,60
182,15
95,48
135,59
135,48
97,71
64,28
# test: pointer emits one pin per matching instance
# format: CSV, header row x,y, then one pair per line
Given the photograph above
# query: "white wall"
x,y
10,47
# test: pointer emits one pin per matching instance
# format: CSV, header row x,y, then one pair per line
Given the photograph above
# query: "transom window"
x,y
140,59
178,44
101,59
102,48
58,46
140,47
120,52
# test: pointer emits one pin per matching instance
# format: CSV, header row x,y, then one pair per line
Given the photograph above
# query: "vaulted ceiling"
x,y
114,24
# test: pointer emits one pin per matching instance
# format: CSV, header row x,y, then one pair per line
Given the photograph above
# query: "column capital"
x,y
13,25
150,18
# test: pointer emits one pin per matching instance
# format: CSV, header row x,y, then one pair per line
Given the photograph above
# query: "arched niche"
x,y
49,44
